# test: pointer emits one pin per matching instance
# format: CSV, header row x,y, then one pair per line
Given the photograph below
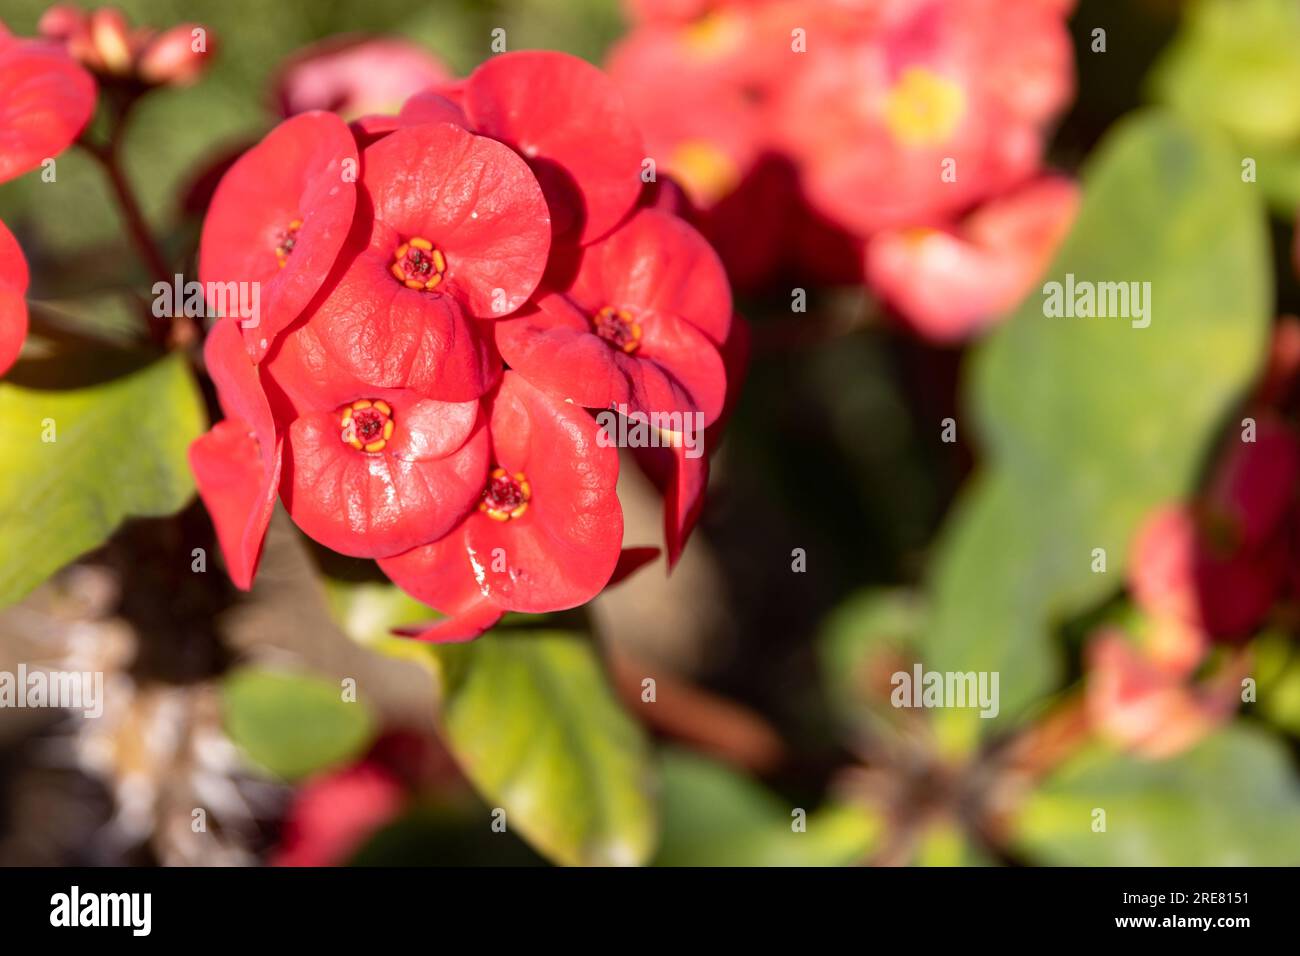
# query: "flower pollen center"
x,y
367,425
418,264
924,108
288,239
618,328
505,496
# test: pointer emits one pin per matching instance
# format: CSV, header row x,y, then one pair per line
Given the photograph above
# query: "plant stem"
x,y
179,330
135,222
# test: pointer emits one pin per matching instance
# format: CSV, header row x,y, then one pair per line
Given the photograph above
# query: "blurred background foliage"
x,y
768,743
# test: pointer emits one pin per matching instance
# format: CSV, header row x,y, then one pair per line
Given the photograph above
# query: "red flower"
x,y
884,106
45,100
472,199
1136,702
373,384
951,283
639,324
547,532
13,301
280,217
568,121
236,465
333,815
1220,566
370,470
451,222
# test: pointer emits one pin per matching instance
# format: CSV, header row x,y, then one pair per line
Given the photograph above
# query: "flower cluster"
x,y
45,101
106,44
880,140
445,292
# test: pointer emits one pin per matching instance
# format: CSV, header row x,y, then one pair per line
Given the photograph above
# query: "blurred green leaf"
x,y
535,726
293,725
714,816
1231,801
1236,64
1089,422
118,451
531,718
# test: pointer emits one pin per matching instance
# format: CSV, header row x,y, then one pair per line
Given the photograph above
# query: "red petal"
x,y
657,262
563,549
378,331
464,624
676,368
297,173
238,484
568,120
45,100
373,505
470,196
439,574
630,561
683,501
13,301
431,107
238,386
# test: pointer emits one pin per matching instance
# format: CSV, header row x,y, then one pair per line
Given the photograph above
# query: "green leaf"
x,y
1235,64
118,451
532,720
533,723
714,816
1231,801
291,724
1089,423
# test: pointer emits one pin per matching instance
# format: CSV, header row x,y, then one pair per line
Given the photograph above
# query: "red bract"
x,y
236,465
13,301
566,118
547,531
280,217
45,101
682,479
473,200
638,325
372,471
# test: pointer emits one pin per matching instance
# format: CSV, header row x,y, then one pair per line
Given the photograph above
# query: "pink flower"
x,y
1148,709
356,75
949,283
921,108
